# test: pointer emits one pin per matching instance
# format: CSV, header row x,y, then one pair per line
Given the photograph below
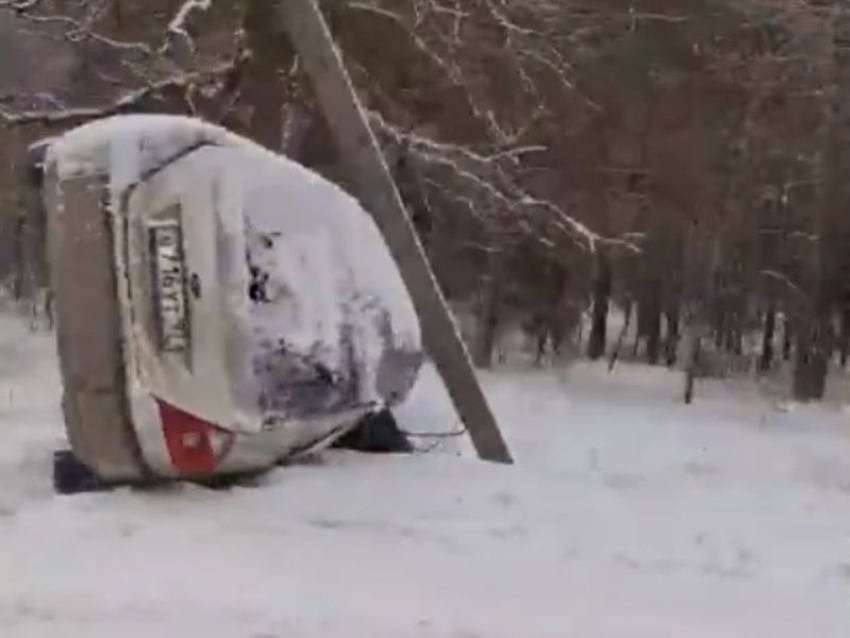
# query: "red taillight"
x,y
195,446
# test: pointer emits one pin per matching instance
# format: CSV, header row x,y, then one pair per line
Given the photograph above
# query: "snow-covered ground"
x,y
626,515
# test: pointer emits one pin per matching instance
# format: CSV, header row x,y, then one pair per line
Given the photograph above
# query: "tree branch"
x,y
178,24
122,104
76,31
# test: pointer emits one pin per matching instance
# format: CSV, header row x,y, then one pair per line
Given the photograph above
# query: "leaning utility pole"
x,y
377,191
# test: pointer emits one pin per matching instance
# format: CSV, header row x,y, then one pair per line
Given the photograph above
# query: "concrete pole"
x,y
376,190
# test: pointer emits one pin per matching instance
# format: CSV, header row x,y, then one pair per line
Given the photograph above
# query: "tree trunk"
x,y
815,339
766,358
834,250
560,321
638,332
812,362
540,346
671,343
787,338
651,310
263,88
19,259
736,337
601,303
719,327
488,314
844,343
627,322
693,354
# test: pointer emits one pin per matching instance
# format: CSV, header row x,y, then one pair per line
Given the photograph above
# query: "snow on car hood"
x,y
364,332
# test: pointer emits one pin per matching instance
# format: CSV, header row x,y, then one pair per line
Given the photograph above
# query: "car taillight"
x,y
196,447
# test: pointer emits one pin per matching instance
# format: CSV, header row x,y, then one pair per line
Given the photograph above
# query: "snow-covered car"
x,y
219,308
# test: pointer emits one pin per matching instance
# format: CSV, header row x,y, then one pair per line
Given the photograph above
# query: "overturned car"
x,y
219,308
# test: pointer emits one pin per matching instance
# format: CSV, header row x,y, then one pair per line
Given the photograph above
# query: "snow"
x,y
626,515
129,145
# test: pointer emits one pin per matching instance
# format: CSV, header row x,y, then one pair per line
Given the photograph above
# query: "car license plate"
x,y
169,280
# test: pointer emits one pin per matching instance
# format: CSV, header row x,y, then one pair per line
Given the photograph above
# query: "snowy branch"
x,y
778,276
178,24
125,102
18,5
658,17
78,31
450,39
481,173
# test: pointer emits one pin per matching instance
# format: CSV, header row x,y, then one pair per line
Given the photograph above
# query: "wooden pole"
x,y
376,190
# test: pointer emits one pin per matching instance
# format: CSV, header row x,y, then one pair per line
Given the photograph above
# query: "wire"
x,y
434,435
